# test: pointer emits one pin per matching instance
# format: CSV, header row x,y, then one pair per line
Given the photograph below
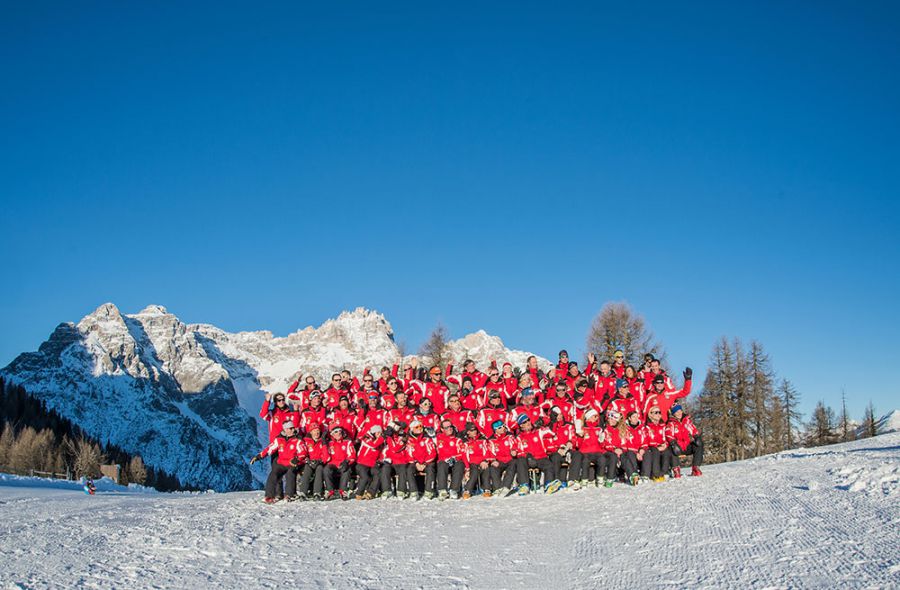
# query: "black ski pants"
x,y
453,472
273,482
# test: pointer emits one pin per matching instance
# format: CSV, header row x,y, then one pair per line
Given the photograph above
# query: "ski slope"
x,y
811,518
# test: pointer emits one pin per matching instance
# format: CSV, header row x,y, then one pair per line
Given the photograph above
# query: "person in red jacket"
x,y
276,412
591,439
422,454
502,464
449,460
636,387
368,463
634,447
431,421
656,457
334,393
401,412
618,366
614,444
314,414
475,458
684,439
316,458
456,414
532,453
562,366
624,403
478,378
371,416
386,375
341,458
664,394
289,453
344,417
395,459
510,384
605,383
488,415
528,406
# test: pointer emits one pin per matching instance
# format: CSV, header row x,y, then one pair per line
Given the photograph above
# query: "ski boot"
x,y
487,494
607,483
454,495
523,489
552,487
501,492
676,472
466,495
575,486
443,495
345,495
302,497
270,500
695,471
634,479
329,495
385,496
429,495
407,495
318,497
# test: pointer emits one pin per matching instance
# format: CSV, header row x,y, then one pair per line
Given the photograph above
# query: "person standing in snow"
x,y
684,439
289,452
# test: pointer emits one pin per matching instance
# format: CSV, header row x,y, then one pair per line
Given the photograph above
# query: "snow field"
x,y
814,518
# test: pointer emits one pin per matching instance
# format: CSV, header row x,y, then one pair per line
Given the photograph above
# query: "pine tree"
x,y
714,404
847,433
869,426
821,428
761,392
790,399
7,438
618,327
137,473
777,434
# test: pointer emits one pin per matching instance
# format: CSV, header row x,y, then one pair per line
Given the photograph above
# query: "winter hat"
x,y
676,408
527,392
522,419
471,426
435,371
659,379
293,397
613,413
563,352
287,424
415,423
497,424
336,426
507,364
621,383
315,393
314,426
592,413
376,429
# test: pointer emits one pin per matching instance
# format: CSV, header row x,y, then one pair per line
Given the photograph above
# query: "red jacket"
x,y
533,413
459,419
534,442
346,419
316,450
370,419
276,417
310,416
333,395
681,431
504,448
421,449
668,398
474,451
487,416
381,384
340,450
592,439
448,447
394,451
432,420
399,415
437,393
286,449
625,405
655,434
634,438
475,400
370,450
613,440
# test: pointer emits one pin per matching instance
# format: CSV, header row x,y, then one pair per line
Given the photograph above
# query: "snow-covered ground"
x,y
817,518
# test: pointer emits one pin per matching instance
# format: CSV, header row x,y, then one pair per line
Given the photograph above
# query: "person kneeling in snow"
x,y
289,452
684,439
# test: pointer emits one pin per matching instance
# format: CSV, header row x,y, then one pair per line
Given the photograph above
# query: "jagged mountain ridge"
x,y
186,397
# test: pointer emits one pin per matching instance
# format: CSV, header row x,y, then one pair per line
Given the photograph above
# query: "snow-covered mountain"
x,y
186,397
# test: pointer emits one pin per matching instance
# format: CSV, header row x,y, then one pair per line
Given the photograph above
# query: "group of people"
x,y
503,431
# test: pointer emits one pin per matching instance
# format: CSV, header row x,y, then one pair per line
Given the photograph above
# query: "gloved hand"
x,y
429,431
295,462
254,459
676,448
389,431
539,423
345,464
688,373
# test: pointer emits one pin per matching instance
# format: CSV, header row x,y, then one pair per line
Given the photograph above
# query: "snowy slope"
x,y
816,518
186,397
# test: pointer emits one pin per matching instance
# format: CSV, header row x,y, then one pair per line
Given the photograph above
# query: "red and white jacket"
x,y
592,439
448,447
655,434
681,431
459,419
370,450
276,417
474,451
421,449
504,448
534,442
316,450
487,416
394,451
286,449
341,450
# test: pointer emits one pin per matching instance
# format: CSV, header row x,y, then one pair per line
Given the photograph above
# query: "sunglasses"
x,y
367,380
655,413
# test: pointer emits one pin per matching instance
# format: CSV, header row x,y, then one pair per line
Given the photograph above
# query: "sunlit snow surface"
x,y
816,518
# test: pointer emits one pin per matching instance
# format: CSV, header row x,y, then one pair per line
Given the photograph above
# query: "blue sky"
x,y
727,170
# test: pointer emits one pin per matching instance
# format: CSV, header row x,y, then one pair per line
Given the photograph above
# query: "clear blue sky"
x,y
726,170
